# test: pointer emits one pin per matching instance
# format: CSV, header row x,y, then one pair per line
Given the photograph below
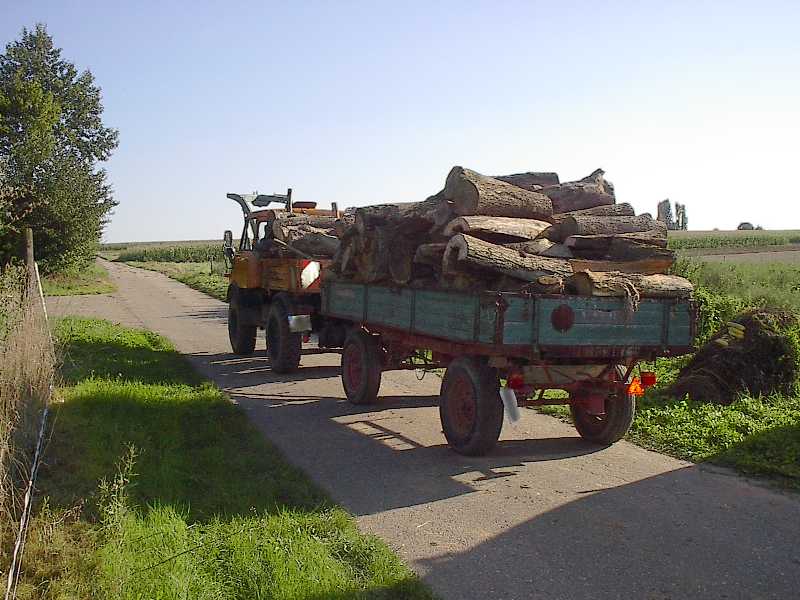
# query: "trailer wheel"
x,y
470,407
361,367
611,427
242,337
283,345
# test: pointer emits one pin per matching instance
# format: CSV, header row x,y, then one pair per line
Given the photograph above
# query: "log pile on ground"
x,y
527,231
757,354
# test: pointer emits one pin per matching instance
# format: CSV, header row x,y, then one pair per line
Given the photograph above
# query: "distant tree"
x,y
745,226
51,139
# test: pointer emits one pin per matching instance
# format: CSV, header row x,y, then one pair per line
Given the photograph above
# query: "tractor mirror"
x,y
227,239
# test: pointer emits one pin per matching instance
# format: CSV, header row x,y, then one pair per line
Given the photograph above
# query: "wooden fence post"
x,y
30,261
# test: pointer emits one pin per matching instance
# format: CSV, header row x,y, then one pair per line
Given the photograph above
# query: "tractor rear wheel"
x,y
620,409
470,407
283,345
361,367
242,337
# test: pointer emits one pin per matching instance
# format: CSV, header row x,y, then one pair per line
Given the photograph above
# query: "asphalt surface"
x,y
544,516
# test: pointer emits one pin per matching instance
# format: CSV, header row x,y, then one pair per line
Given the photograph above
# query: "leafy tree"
x,y
51,138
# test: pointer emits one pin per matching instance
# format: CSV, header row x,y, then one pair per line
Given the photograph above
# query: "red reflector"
x,y
515,381
648,378
562,318
635,387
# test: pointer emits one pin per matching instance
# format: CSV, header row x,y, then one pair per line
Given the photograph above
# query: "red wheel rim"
x,y
461,406
353,367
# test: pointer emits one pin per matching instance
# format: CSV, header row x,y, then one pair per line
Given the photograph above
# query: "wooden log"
x,y
589,192
600,245
410,216
647,266
310,240
480,255
372,252
623,248
528,229
615,284
443,214
533,181
591,225
541,247
430,254
605,210
476,194
284,229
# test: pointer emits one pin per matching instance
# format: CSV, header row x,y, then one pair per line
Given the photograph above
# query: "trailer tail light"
x,y
515,381
635,387
648,379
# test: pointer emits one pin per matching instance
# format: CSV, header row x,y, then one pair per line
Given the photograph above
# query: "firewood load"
x,y
526,231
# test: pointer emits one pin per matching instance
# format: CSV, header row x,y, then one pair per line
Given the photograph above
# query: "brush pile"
x,y
757,353
526,231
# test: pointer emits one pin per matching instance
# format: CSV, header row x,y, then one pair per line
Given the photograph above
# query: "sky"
x,y
372,102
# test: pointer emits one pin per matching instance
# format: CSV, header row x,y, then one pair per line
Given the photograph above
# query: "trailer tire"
x,y
470,407
361,367
612,427
283,345
242,337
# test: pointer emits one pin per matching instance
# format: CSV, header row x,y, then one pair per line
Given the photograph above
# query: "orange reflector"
x,y
648,378
635,387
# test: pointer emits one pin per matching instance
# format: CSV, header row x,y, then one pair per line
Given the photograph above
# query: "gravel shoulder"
x,y
545,516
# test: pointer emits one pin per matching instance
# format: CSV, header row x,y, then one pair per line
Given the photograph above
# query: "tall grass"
x,y
27,374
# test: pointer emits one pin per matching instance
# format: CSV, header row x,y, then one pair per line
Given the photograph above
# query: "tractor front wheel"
x,y
242,337
283,345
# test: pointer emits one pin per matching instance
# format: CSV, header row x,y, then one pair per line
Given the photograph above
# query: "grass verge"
x,y
158,487
91,280
197,275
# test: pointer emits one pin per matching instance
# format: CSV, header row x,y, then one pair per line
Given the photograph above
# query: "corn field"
x,y
27,376
688,241
173,254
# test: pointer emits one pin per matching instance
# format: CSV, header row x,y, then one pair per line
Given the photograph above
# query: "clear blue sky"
x,y
367,102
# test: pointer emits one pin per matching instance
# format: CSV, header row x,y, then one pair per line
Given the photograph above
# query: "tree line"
x,y
52,140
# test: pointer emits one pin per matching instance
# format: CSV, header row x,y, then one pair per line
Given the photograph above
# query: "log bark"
x,y
409,216
533,181
647,266
632,249
310,240
282,228
589,192
477,254
619,285
527,229
371,255
606,210
541,247
600,245
430,255
591,225
476,194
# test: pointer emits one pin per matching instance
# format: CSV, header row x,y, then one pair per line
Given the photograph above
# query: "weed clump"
x,y
757,353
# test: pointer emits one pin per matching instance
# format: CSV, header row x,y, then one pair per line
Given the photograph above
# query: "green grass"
x,y
687,240
178,496
772,284
90,280
197,275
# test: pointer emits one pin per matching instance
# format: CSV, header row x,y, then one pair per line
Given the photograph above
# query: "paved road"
x,y
545,516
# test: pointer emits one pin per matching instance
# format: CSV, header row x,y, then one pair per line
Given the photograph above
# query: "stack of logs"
x,y
526,231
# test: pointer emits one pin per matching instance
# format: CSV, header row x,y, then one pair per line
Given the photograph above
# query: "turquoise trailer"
x,y
586,346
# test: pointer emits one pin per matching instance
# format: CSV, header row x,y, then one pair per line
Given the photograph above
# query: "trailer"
x,y
503,350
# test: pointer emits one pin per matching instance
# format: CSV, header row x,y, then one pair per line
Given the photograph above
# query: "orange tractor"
x,y
275,287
